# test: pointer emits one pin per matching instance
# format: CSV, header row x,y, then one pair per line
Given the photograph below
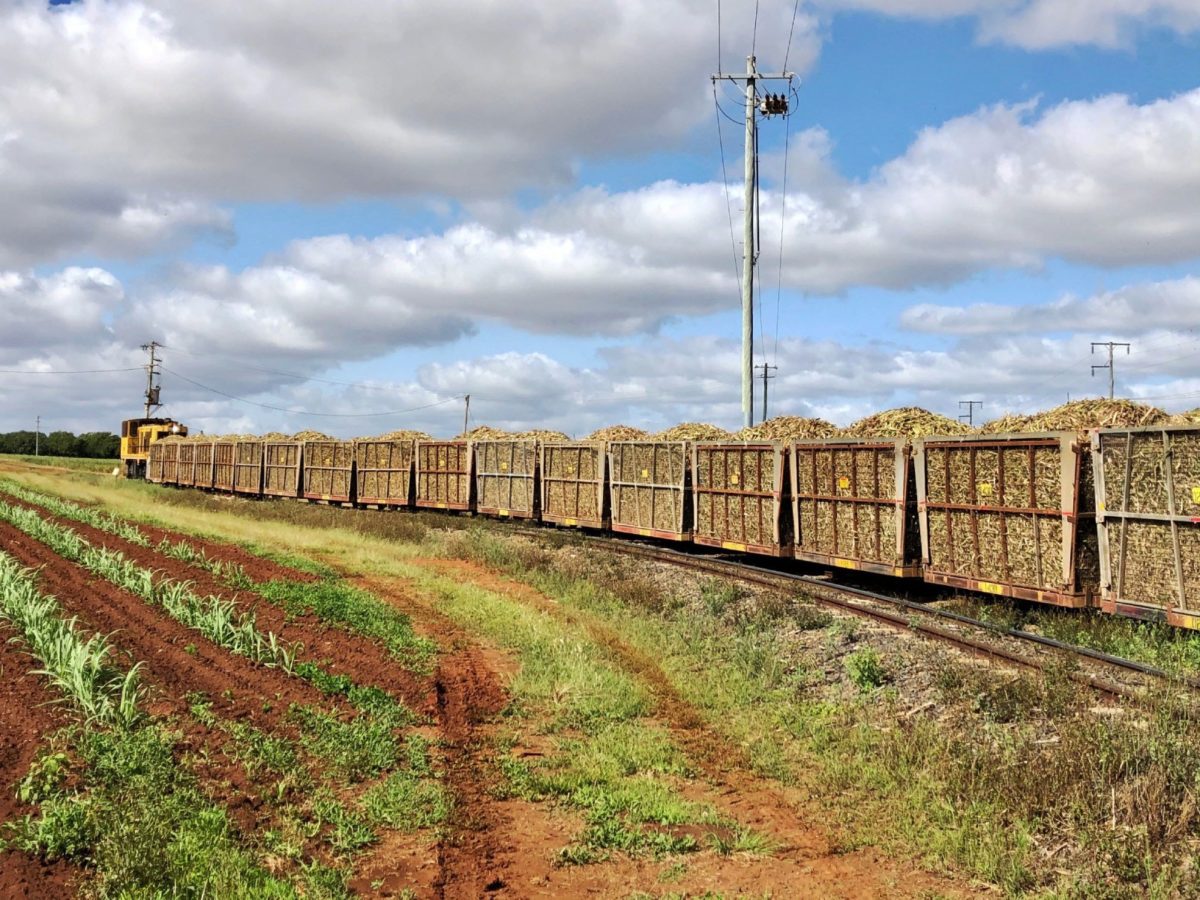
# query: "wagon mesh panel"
x,y
247,467
444,473
223,457
504,476
1152,498
154,464
203,470
737,489
185,465
648,480
384,471
850,501
281,468
328,469
573,482
995,513
170,461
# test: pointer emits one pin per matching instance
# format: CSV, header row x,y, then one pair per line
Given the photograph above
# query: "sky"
x,y
345,217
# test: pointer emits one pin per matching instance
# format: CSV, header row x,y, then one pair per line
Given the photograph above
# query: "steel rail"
x,y
827,594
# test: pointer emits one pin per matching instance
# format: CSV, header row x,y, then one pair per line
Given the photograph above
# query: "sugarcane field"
x,y
650,451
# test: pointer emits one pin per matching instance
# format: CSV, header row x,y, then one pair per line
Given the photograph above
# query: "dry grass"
x,y
908,421
1079,415
788,428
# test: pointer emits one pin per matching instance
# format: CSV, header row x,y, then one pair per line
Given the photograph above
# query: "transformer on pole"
x,y
769,105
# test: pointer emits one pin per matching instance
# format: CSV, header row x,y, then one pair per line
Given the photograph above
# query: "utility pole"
x,y
152,370
771,105
37,437
466,413
969,415
766,376
1112,372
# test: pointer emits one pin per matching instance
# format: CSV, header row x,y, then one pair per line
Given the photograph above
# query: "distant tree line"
x,y
93,444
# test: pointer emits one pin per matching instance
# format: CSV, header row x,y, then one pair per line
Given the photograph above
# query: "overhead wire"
x,y
791,31
787,141
304,412
737,273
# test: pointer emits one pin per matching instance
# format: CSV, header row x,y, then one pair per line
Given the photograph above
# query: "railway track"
x,y
975,636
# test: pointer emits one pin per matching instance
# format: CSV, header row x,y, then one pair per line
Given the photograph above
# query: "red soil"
x,y
28,713
339,651
176,659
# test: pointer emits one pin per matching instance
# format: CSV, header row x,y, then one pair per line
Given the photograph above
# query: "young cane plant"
x,y
67,509
215,618
78,667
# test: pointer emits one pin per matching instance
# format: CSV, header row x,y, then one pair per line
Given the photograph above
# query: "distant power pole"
x,y
1112,372
969,415
466,413
37,437
152,372
770,105
766,377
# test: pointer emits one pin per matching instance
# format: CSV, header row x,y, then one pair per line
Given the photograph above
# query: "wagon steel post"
x,y
1169,475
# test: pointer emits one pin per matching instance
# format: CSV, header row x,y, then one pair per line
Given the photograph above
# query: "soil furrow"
x,y
29,711
340,651
175,658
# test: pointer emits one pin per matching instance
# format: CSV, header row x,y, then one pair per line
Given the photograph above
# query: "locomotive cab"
x,y
136,437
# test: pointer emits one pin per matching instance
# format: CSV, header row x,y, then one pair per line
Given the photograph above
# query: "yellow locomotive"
x,y
137,436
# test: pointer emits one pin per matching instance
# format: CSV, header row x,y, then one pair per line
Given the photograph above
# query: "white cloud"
x,y
1133,310
123,121
1045,24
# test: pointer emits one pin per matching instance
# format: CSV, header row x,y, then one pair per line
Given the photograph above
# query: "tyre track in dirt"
x,y
340,651
804,859
29,711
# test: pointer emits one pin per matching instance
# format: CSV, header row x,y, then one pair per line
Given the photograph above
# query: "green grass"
x,y
986,792
131,814
338,603
76,463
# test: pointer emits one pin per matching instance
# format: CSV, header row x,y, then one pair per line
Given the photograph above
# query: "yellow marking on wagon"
x,y
990,587
733,545
985,489
844,563
1196,495
843,482
570,521
502,512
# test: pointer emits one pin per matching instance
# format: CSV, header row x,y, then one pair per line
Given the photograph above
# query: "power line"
x,y
304,412
754,36
728,200
791,31
787,140
969,415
